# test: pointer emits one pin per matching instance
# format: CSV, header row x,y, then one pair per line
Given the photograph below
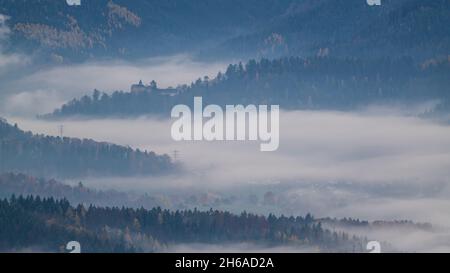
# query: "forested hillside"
x,y
343,28
130,29
21,184
228,28
293,83
49,156
46,224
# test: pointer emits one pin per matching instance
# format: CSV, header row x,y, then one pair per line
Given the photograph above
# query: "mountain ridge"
x,y
228,29
49,156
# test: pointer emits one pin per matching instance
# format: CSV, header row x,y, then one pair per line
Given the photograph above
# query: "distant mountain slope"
x,y
130,29
293,83
48,156
414,28
228,28
21,184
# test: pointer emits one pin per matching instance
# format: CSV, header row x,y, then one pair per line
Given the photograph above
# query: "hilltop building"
x,y
152,87
140,87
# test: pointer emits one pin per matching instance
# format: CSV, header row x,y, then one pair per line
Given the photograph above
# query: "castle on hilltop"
x,y
140,87
151,88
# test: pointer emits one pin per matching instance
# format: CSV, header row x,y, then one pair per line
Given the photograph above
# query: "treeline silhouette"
x,y
48,156
293,83
22,184
47,224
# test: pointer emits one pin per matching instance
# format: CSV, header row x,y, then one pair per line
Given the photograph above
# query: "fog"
x,y
47,89
406,239
381,162
369,164
392,167
8,61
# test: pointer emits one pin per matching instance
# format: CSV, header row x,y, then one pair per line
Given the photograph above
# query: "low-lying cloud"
x,y
366,165
327,162
45,90
8,61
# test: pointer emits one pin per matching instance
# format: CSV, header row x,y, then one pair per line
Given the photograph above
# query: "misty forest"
x,y
86,152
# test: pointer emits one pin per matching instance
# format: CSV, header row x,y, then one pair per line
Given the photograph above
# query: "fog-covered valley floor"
x,y
379,163
372,164
382,163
